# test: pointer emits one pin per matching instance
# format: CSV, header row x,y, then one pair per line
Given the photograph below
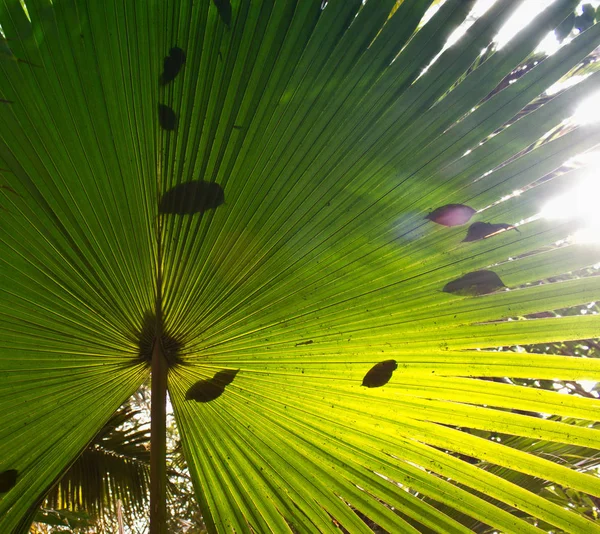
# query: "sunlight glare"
x,y
563,84
588,112
580,203
523,15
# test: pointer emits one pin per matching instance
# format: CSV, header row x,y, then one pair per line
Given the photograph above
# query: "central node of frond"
x,y
147,337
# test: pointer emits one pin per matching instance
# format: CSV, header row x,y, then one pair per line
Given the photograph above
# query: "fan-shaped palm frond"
x,y
270,200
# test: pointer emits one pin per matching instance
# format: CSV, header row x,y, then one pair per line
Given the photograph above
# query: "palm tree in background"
x,y
110,478
290,214
109,483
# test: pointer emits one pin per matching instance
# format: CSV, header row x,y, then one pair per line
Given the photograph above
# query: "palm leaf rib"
x,y
263,178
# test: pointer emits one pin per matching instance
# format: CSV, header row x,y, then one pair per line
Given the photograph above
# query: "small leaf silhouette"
x,y
8,479
224,9
380,374
586,19
475,283
212,388
192,197
451,214
482,230
172,65
166,117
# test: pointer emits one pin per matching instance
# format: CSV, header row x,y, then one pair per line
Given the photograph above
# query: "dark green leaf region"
x,y
166,118
8,479
475,283
565,27
212,388
380,374
451,214
172,65
224,9
483,230
192,197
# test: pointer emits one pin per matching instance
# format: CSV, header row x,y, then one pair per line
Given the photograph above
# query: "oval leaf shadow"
x,y
451,214
224,9
212,388
8,479
475,283
192,197
483,230
172,65
380,374
166,118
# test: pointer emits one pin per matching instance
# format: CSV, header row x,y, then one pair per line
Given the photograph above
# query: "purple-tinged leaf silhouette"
x,y
166,117
8,479
6,101
192,197
451,215
212,388
483,230
172,65
475,283
586,19
380,374
224,9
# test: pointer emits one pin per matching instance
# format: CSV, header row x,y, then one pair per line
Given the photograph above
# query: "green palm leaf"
x,y
258,211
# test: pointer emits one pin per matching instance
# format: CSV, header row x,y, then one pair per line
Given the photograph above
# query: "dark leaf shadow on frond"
x,y
380,374
482,230
192,197
172,65
211,389
475,283
224,9
8,479
167,117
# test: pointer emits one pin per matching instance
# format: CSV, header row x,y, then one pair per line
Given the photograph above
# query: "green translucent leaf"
x,y
254,186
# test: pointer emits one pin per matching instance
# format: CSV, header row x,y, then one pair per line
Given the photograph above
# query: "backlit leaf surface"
x,y
331,142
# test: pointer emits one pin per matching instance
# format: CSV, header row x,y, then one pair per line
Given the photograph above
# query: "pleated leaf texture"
x,y
266,174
